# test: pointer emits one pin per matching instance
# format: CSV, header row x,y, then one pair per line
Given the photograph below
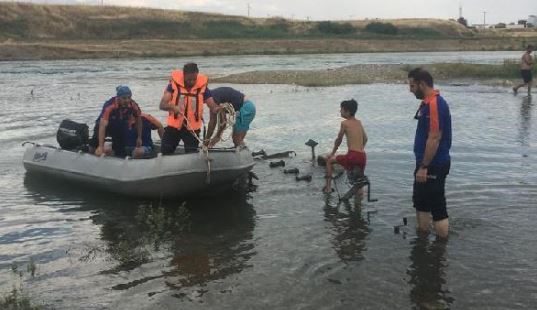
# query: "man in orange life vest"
x,y
183,99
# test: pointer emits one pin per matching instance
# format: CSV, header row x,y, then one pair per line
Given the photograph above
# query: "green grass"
x,y
45,22
508,70
18,298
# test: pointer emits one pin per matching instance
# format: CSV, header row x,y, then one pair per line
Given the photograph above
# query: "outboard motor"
x,y
72,135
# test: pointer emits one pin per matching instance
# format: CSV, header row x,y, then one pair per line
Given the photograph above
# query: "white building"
x,y
514,26
532,19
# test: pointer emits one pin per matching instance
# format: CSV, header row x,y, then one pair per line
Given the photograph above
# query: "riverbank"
x,y
458,73
11,50
56,32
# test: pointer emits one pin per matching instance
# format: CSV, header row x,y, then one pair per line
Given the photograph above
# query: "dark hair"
x,y
421,75
190,68
350,106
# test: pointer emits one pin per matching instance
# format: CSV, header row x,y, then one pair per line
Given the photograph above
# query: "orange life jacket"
x,y
190,101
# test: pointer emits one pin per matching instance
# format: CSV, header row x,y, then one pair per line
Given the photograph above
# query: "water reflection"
x,y
525,121
428,275
350,230
199,240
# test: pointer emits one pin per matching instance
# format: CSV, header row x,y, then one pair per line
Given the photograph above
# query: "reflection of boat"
x,y
162,176
175,245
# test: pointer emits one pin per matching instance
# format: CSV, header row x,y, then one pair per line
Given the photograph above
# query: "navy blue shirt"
x,y
228,94
433,116
112,112
149,123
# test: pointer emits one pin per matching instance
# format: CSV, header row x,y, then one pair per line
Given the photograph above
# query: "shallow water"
x,y
281,246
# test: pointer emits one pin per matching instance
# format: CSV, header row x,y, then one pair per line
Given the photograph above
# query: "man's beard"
x,y
419,94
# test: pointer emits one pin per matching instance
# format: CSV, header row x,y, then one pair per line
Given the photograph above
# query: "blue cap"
x,y
123,90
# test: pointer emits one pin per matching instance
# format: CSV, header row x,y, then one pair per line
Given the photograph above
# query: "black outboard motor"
x,y
72,135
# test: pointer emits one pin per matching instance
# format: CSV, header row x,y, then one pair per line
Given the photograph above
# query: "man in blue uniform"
x,y
114,122
431,148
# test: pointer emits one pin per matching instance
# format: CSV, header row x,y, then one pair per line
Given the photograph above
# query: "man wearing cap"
x,y
114,122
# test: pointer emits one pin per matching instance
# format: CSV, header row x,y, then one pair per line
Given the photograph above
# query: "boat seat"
x,y
357,179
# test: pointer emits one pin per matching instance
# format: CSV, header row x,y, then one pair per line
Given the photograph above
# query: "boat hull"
x,y
159,177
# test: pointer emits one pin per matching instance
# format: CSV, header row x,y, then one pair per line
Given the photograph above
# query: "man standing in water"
x,y
525,70
431,148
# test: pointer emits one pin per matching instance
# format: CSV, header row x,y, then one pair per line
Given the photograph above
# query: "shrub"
x,y
327,27
382,28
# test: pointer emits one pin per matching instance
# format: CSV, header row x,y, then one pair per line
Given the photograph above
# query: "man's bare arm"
x,y
339,139
165,102
431,146
364,133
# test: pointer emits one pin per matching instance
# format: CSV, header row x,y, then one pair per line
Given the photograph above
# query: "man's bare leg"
x,y
423,221
529,89
329,169
515,89
238,138
441,228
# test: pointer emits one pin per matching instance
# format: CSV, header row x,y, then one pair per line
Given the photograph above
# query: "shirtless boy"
x,y
526,64
356,139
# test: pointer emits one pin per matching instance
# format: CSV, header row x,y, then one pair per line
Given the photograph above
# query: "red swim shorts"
x,y
352,159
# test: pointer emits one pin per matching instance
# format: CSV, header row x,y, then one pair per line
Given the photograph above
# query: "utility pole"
x,y
484,18
248,6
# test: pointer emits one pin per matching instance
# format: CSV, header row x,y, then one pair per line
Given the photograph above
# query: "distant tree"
x,y
335,28
500,25
383,28
461,20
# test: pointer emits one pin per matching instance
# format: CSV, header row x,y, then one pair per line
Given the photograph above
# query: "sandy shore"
x,y
359,74
125,49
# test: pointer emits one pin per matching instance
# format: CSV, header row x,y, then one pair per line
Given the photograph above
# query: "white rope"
x,y
230,122
230,119
204,149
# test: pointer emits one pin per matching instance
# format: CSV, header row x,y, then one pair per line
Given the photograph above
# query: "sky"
x,y
472,10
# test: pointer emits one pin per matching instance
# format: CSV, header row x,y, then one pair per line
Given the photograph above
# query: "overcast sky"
x,y
496,11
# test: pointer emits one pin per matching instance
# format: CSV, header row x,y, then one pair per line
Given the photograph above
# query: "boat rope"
x,y
229,120
204,149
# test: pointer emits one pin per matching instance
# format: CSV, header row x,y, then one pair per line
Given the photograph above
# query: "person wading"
x,y
431,148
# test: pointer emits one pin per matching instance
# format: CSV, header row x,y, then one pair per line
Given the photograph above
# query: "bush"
x,y
382,28
335,28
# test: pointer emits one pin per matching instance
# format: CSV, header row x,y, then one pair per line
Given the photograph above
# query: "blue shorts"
x,y
245,116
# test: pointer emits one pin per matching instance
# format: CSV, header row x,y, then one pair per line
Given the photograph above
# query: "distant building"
x,y
532,19
513,26
481,26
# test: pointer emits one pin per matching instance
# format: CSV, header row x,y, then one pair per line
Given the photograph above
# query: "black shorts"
x,y
430,196
172,136
526,75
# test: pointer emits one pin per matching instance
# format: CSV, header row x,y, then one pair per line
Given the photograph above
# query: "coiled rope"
x,y
230,119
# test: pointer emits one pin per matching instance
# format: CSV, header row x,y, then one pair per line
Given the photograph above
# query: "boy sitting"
x,y
356,139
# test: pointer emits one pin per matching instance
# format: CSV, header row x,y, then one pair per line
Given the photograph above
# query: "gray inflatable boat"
x,y
158,177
